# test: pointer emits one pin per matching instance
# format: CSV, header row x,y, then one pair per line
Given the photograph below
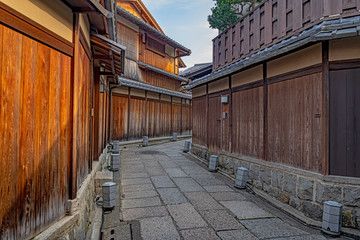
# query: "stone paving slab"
x,y
188,185
134,181
227,196
209,181
186,216
168,164
201,175
307,237
236,234
218,188
162,182
155,171
171,196
134,175
221,220
194,170
138,213
158,228
139,194
175,172
246,210
199,234
140,202
203,201
137,187
271,228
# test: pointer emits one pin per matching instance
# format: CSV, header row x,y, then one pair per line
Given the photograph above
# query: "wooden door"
x,y
214,130
225,133
345,122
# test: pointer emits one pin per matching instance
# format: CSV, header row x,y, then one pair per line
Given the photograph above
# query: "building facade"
x,y
281,101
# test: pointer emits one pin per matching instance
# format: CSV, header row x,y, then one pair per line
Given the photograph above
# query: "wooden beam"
x,y
207,115
325,108
102,57
128,116
171,117
145,128
265,109
230,116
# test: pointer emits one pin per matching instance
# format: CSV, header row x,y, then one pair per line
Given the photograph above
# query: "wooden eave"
x,y
96,12
108,54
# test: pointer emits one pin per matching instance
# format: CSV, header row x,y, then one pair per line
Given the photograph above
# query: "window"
x,y
155,45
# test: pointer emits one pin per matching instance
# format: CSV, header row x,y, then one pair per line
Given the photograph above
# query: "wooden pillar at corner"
x,y
230,117
75,108
265,111
181,116
207,116
325,108
160,125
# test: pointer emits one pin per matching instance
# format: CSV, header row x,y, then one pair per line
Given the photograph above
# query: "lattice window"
x,y
155,45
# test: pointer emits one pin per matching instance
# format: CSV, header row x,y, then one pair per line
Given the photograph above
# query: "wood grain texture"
x,y
294,132
247,122
200,127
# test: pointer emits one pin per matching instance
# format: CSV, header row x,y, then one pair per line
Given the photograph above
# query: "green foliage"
x,y
227,12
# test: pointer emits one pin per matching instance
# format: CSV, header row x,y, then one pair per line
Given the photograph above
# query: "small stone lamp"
x,y
115,162
241,177
145,141
109,195
213,163
174,137
332,217
187,146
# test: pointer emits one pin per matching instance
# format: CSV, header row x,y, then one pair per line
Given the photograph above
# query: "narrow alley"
x,y
167,194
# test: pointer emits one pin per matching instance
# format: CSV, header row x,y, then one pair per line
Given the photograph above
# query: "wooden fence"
x,y
133,117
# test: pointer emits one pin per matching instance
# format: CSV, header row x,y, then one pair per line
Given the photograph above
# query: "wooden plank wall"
x,y
271,22
35,132
82,116
151,117
248,124
160,80
294,136
199,125
289,129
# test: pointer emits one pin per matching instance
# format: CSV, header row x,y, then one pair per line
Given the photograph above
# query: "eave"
x,y
147,87
160,71
108,54
96,12
153,31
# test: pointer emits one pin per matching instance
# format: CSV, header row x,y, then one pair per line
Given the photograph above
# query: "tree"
x,y
227,12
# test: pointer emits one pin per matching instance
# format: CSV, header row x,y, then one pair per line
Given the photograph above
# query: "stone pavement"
x,y
170,195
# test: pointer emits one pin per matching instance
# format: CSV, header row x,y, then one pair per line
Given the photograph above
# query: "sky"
x,y
185,21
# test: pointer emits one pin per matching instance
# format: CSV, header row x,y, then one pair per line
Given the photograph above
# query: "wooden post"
x,y
181,113
325,110
161,127
230,116
128,116
207,115
265,109
75,106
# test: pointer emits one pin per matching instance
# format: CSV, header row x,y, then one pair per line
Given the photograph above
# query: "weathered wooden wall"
x,y
248,122
160,80
199,122
147,116
294,132
35,127
82,116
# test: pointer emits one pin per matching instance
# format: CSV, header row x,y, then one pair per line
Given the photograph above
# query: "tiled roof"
x,y
144,86
132,18
155,69
195,68
327,30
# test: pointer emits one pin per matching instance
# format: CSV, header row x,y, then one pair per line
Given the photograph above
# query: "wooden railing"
x,y
273,21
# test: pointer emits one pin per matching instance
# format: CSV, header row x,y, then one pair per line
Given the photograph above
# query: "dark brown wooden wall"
x,y
345,122
149,117
292,113
35,127
294,131
199,123
160,80
248,122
